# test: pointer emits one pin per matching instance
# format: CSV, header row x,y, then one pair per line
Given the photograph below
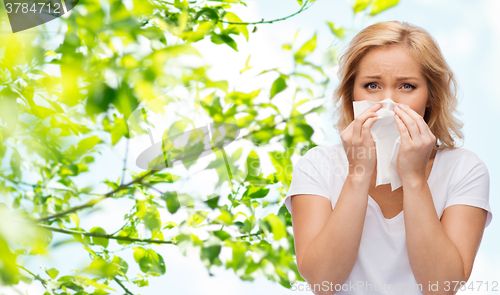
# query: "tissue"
x,y
385,134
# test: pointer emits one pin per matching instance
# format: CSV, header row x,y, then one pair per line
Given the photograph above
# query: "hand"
x,y
358,143
417,142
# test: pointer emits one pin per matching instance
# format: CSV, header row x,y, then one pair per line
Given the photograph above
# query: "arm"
x,y
440,251
326,240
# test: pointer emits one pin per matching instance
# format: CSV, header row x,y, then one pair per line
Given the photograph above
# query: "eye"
x,y
411,86
369,85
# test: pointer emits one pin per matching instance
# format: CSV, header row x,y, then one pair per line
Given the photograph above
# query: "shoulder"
x,y
465,170
329,162
324,154
460,160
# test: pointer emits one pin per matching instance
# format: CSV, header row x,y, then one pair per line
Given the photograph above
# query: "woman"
x,y
354,237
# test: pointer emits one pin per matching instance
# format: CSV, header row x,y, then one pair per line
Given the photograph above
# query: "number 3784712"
x,y
471,286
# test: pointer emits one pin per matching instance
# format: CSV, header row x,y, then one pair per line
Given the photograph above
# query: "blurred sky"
x,y
468,33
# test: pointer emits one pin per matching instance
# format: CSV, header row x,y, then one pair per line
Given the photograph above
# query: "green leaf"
x,y
212,201
9,272
122,265
211,250
196,218
86,144
225,217
15,164
277,226
75,219
303,76
306,49
253,165
281,160
76,283
360,5
222,235
222,85
336,30
98,286
130,232
247,67
239,250
203,29
52,273
172,201
125,102
99,98
209,13
149,214
224,38
84,239
181,4
169,225
256,192
141,283
99,241
381,5
149,261
9,108
55,106
229,41
50,53
278,85
120,129
231,17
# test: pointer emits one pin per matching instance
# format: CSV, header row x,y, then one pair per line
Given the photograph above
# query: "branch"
x,y
270,21
123,287
34,185
257,234
113,237
36,277
109,237
126,223
122,187
95,201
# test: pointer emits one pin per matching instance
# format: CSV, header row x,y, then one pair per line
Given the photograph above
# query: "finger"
x,y
422,125
410,124
365,133
358,122
405,136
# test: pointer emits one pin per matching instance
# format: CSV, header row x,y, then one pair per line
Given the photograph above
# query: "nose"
x,y
389,94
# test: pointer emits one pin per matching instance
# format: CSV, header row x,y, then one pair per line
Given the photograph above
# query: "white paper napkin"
x,y
385,134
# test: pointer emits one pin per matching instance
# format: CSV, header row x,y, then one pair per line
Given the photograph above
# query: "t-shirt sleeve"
x,y
306,179
471,186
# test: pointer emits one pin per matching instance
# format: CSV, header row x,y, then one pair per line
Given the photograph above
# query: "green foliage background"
x,y
62,100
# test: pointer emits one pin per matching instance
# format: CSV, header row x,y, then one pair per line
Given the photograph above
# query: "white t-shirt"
x,y
457,177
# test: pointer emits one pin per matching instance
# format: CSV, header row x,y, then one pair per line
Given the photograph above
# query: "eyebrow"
x,y
398,78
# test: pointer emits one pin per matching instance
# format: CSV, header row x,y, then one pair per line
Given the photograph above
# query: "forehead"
x,y
392,60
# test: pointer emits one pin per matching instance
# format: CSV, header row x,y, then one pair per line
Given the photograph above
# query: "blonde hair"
x,y
425,50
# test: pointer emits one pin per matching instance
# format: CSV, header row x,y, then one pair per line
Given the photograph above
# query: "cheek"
x,y
419,109
357,94
419,102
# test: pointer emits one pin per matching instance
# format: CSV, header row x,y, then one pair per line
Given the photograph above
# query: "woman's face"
x,y
380,76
